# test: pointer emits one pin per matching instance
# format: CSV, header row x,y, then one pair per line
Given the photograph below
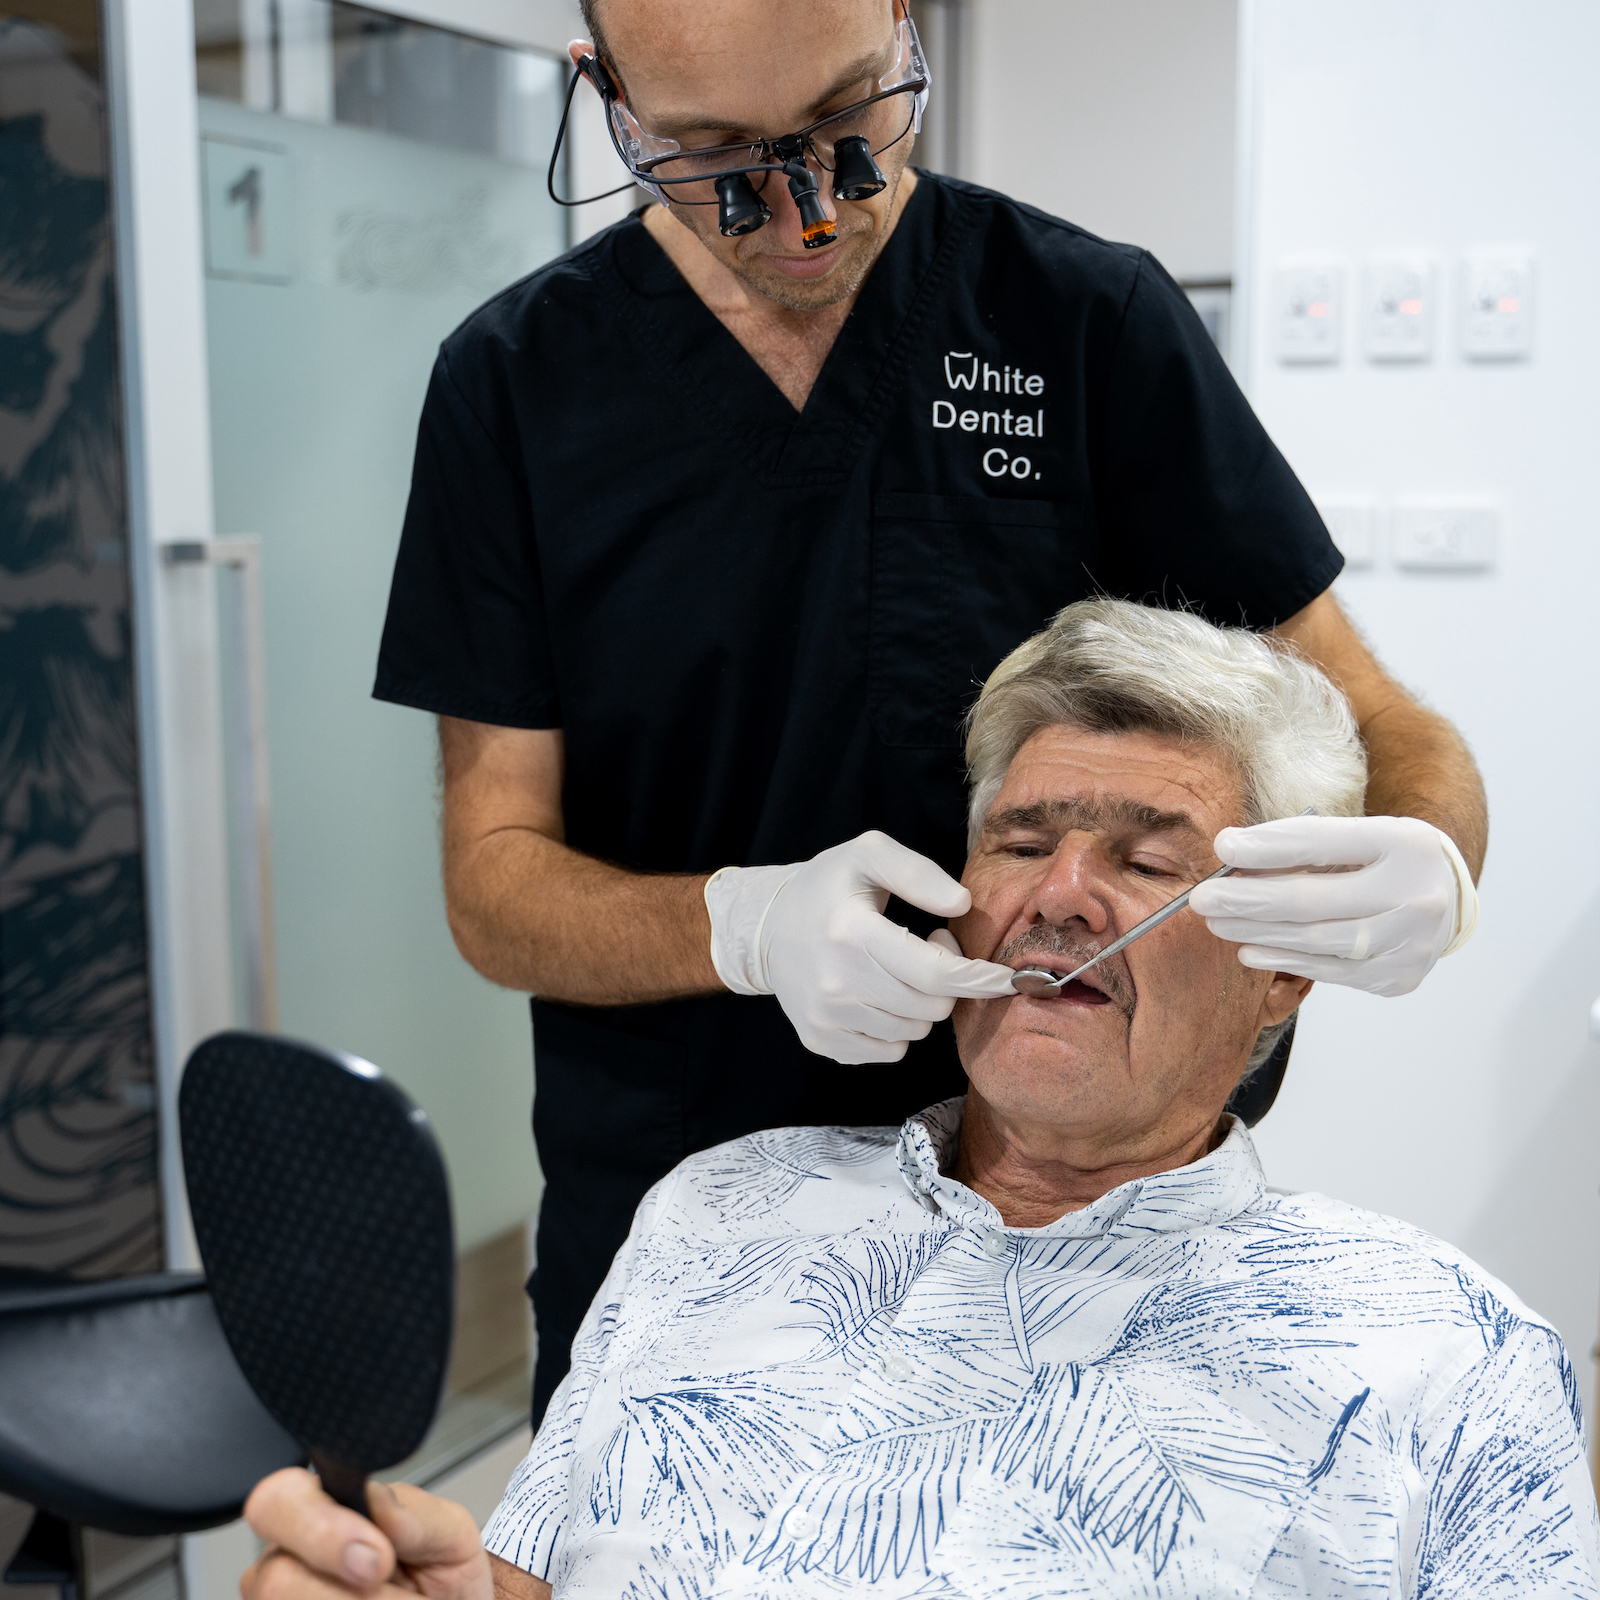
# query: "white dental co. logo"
x,y
965,372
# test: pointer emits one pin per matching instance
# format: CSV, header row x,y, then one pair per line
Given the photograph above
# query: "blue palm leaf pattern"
x,y
1129,1471
855,1294
878,1505
756,1176
1126,1472
680,1453
746,1271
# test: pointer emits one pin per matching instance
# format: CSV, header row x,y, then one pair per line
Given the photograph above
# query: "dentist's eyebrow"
x,y
1091,816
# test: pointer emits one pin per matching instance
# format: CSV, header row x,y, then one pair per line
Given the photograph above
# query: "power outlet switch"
x,y
1397,309
1497,306
1435,536
1305,313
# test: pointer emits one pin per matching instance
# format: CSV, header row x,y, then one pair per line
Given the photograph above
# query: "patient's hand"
x,y
415,1543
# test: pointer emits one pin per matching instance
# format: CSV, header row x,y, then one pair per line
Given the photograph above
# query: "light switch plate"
x,y
1497,306
1353,522
1446,536
1305,312
1397,307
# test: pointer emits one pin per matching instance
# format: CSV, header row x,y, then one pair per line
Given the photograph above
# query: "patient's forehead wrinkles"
x,y
1091,813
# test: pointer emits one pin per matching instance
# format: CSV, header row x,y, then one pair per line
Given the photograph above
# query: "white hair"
x,y
1109,666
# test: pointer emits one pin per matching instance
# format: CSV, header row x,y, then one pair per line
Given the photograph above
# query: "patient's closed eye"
x,y
1156,869
1026,846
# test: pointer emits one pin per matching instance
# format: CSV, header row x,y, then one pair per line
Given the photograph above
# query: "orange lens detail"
x,y
818,234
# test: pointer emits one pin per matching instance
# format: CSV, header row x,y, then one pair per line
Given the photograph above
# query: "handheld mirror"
x,y
323,1217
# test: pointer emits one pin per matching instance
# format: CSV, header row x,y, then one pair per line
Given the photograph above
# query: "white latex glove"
x,y
856,986
1381,927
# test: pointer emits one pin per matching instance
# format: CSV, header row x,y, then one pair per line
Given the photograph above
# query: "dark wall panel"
x,y
78,1187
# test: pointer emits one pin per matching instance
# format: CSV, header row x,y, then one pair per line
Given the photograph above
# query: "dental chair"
x,y
122,1408
1253,1099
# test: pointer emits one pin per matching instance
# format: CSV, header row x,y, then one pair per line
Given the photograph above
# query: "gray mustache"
x,y
1076,947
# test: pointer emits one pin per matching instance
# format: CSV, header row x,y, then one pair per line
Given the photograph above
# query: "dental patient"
x,y
1056,1338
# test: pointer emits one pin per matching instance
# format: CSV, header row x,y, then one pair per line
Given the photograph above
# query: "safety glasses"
x,y
732,176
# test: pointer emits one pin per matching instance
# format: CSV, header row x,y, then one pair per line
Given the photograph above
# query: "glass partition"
x,y
368,181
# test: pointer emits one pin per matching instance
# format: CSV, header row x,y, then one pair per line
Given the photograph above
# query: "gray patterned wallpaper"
x,y
77,1123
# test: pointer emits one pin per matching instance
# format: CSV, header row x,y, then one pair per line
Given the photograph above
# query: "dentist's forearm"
x,y
1417,764
531,913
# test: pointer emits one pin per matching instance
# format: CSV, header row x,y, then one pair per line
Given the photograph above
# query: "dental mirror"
x,y
322,1212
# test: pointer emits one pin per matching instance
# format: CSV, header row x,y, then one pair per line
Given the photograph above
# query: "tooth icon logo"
x,y
961,380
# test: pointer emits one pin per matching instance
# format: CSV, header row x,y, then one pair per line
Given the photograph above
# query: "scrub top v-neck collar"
x,y
720,378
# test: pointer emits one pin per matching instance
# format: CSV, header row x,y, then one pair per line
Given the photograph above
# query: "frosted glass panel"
x,y
335,270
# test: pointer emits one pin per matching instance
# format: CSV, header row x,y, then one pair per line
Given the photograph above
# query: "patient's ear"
x,y
1283,995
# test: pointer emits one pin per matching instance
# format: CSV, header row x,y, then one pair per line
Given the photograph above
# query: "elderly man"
x,y
1058,1337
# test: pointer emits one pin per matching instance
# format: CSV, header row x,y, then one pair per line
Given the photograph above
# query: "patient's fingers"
x,y
290,1510
281,1575
436,1540
321,1551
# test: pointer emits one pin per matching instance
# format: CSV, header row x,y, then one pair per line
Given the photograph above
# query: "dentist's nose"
x,y
1073,887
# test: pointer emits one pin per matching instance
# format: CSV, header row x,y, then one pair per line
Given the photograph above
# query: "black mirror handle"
x,y
347,1485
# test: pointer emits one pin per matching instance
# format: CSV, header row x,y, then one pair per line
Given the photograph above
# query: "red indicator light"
x,y
1410,308
1508,304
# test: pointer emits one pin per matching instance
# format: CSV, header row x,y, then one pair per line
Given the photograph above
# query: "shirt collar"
x,y
1214,1189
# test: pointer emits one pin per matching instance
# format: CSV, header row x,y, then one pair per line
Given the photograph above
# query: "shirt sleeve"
x,y
1197,506
528,1524
466,632
1508,1508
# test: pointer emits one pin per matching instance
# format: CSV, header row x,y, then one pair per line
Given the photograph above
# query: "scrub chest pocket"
x,y
958,581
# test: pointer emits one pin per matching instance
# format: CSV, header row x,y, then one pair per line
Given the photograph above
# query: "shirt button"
x,y
897,1369
995,1243
800,1525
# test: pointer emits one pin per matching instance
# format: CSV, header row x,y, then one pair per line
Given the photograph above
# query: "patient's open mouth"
x,y
1082,991
1039,951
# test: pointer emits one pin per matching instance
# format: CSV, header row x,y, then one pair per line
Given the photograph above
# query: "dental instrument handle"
x,y
1140,929
1137,931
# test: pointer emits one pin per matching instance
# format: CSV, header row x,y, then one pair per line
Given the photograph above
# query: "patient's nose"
x,y
1073,886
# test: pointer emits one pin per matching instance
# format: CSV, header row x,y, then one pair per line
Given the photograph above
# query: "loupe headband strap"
x,y
593,69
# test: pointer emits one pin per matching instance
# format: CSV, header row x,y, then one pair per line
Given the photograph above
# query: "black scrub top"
x,y
759,630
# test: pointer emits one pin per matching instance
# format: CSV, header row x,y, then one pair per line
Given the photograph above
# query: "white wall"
x,y
1118,117
1472,1107
1435,126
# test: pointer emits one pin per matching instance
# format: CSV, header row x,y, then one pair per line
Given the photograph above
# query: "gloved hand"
x,y
1380,927
856,986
